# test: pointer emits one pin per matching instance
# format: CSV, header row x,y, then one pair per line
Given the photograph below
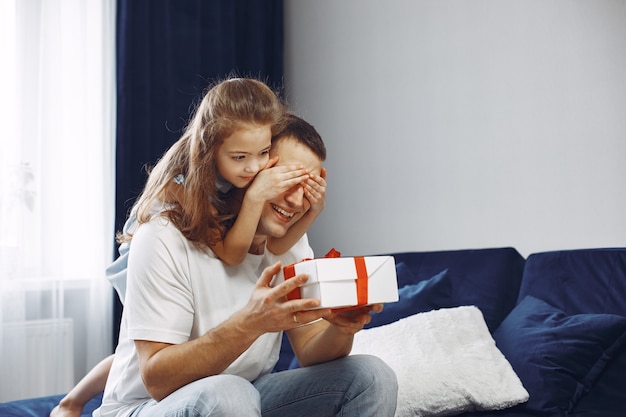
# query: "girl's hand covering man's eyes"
x,y
271,182
315,192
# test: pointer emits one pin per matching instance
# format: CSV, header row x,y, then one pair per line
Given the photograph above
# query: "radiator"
x,y
37,358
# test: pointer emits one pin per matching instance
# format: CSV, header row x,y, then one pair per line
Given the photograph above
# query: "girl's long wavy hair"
x,y
195,207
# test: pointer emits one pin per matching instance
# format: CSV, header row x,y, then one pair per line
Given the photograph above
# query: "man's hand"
x,y
350,321
330,338
269,310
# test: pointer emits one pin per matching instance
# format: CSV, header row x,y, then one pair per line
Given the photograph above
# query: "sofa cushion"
x,y
558,356
41,406
608,395
446,362
585,281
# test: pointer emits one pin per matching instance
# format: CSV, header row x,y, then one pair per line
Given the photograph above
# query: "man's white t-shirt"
x,y
176,292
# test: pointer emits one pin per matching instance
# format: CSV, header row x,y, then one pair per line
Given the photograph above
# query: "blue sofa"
x,y
558,317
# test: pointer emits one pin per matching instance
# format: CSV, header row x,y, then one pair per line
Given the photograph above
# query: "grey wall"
x,y
464,124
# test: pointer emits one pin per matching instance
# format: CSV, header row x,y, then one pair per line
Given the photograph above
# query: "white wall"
x,y
464,124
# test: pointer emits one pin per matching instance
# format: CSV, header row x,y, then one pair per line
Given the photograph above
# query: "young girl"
x,y
224,148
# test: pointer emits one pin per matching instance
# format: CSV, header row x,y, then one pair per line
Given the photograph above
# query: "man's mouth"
x,y
287,215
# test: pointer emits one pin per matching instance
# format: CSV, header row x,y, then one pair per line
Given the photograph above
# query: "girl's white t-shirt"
x,y
176,292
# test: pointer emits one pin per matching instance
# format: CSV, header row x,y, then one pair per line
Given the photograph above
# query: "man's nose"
x,y
295,196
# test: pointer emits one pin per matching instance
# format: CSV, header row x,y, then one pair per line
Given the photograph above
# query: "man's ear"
x,y
323,173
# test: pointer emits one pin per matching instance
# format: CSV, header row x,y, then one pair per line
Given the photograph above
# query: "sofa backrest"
x,y
487,278
578,281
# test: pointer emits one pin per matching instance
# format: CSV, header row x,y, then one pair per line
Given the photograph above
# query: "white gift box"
x,y
346,282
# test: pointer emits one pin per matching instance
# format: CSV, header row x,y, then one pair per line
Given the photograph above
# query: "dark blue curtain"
x,y
168,52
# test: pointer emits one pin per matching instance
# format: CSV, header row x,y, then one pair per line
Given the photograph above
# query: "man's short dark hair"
x,y
291,125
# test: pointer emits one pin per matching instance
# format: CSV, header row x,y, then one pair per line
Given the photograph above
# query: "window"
x,y
57,98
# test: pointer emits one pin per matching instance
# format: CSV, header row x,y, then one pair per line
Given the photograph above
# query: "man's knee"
x,y
222,395
375,388
377,373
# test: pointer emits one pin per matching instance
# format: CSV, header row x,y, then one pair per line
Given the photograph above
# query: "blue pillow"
x,y
430,294
557,356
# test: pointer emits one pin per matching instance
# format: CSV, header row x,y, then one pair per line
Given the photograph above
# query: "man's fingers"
x,y
279,294
268,274
283,288
306,315
291,284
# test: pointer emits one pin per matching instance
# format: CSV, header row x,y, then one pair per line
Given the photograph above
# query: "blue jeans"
x,y
354,386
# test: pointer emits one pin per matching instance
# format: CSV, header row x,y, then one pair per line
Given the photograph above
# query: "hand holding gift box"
x,y
346,282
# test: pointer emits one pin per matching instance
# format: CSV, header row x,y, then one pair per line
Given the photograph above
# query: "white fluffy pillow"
x,y
446,362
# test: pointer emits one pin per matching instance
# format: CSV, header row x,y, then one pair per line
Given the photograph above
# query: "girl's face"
x,y
243,154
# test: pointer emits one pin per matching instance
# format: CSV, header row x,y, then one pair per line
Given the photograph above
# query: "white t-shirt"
x,y
175,293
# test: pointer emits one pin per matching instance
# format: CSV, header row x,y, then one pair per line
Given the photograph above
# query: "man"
x,y
200,337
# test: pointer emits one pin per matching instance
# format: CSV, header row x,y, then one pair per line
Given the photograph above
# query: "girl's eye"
x,y
238,157
265,152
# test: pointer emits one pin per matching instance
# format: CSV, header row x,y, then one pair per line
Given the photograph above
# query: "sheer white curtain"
x,y
57,92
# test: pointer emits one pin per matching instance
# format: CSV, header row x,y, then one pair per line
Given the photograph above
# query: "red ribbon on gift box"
x,y
361,277
361,280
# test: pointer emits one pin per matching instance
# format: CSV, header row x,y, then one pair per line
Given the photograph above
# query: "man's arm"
x,y
168,367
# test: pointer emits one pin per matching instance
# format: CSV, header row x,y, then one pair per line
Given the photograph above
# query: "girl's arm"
x,y
315,192
268,184
91,385
233,249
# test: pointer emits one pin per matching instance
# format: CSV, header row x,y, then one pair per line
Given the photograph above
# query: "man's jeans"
x,y
354,386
